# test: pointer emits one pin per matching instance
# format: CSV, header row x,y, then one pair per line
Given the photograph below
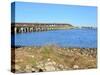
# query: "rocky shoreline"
x,y
52,58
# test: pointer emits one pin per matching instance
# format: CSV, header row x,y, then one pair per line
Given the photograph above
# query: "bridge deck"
x,y
31,27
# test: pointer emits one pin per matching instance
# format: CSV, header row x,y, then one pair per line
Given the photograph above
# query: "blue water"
x,y
83,38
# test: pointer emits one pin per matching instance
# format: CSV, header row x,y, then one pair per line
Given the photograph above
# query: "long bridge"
x,y
33,27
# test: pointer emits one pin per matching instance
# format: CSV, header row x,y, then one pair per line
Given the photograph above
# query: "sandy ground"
x,y
52,58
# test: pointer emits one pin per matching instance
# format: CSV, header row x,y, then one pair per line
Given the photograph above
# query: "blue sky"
x,y
56,13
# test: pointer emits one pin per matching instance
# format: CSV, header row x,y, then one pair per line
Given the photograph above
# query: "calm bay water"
x,y
84,38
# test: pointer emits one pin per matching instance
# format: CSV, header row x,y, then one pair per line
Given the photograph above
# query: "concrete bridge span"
x,y
33,27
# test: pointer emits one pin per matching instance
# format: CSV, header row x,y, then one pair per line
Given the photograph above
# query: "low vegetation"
x,y
52,58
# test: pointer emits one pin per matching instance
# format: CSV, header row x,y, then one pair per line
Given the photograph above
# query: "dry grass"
x,y
69,58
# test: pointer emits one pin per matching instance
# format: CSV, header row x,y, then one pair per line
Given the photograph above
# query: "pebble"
x,y
49,59
32,56
17,67
75,66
